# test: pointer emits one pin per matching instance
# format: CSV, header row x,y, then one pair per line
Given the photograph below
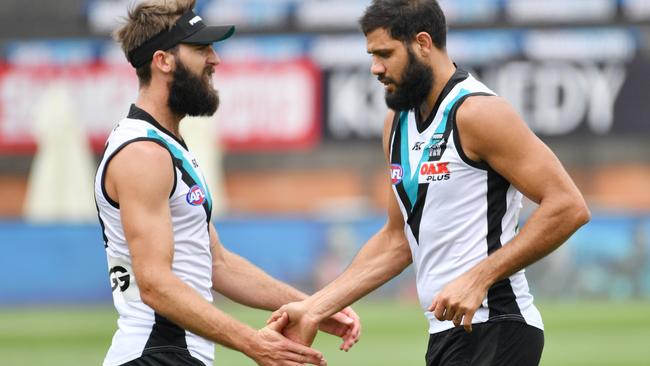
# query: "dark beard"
x,y
414,87
191,95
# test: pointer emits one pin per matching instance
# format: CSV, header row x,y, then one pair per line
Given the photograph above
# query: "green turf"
x,y
394,334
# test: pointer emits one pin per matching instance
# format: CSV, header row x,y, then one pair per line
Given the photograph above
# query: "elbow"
x,y
151,290
405,257
402,254
579,212
148,293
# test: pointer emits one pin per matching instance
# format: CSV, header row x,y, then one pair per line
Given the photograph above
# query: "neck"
x,y
443,71
153,100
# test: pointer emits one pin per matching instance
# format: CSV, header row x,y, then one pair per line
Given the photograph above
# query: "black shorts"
x,y
165,359
489,344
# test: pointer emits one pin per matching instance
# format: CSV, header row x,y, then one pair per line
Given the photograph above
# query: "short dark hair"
x,y
403,19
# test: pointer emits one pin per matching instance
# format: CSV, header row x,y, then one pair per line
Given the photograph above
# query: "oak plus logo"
x,y
434,172
120,278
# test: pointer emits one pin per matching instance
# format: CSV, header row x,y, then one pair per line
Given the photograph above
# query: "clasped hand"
x,y
303,325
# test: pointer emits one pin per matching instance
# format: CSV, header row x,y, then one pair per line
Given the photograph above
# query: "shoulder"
x,y
484,111
142,163
485,122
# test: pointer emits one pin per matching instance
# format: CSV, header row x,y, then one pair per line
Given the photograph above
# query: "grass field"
x,y
394,334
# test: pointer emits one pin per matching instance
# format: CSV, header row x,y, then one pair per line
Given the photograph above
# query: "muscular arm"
x,y
383,257
491,131
140,178
243,282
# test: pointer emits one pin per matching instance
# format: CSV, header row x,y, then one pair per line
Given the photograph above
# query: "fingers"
x,y
356,325
275,315
432,308
280,323
342,318
467,322
458,314
439,310
303,359
351,336
349,340
304,354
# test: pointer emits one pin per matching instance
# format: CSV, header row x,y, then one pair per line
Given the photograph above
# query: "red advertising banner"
x,y
264,106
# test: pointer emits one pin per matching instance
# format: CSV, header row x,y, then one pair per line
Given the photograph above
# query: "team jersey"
x,y
140,329
456,211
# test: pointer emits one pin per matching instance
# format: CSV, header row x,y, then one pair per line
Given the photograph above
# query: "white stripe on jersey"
x,y
190,205
455,210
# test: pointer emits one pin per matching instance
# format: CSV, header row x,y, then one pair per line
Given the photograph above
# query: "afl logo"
x,y
396,173
195,196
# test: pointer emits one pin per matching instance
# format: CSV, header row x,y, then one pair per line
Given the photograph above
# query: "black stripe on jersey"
x,y
459,147
165,336
458,76
415,216
186,177
137,113
396,158
108,160
101,223
501,297
141,114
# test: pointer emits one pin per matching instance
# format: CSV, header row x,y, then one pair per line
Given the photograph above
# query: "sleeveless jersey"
x,y
140,329
456,211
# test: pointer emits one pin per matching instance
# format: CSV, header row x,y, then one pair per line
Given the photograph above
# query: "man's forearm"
x,y
549,226
383,257
244,283
181,304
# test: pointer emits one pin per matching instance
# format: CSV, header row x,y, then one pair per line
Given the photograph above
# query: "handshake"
x,y
299,327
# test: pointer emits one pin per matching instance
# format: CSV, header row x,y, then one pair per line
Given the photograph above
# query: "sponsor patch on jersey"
x,y
396,173
431,172
195,196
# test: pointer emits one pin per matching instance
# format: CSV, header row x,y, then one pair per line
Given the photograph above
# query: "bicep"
x,y
493,132
143,177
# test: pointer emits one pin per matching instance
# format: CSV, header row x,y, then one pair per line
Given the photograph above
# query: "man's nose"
x,y
213,57
377,68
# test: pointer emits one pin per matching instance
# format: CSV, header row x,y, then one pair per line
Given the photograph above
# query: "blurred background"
x,y
295,163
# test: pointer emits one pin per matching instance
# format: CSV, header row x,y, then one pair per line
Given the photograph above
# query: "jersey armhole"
x,y
459,147
114,153
391,137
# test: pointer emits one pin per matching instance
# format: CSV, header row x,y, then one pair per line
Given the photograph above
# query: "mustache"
x,y
384,80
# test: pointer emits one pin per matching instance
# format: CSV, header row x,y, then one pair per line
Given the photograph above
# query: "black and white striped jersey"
x,y
456,211
140,329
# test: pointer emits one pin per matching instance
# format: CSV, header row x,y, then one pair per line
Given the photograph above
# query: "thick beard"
x,y
414,87
191,95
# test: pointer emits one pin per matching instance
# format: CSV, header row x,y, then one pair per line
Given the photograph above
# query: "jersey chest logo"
x,y
396,173
195,196
433,172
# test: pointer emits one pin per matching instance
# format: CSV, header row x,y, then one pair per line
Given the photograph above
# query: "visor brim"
x,y
210,34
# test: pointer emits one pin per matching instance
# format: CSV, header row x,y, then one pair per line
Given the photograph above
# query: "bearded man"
x,y
163,252
459,160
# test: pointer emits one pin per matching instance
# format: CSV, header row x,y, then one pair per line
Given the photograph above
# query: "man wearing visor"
x,y
163,252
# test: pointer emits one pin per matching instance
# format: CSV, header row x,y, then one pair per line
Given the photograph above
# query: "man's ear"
x,y
163,61
423,44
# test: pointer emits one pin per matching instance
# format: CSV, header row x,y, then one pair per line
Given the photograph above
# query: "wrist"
x,y
482,278
248,344
315,311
